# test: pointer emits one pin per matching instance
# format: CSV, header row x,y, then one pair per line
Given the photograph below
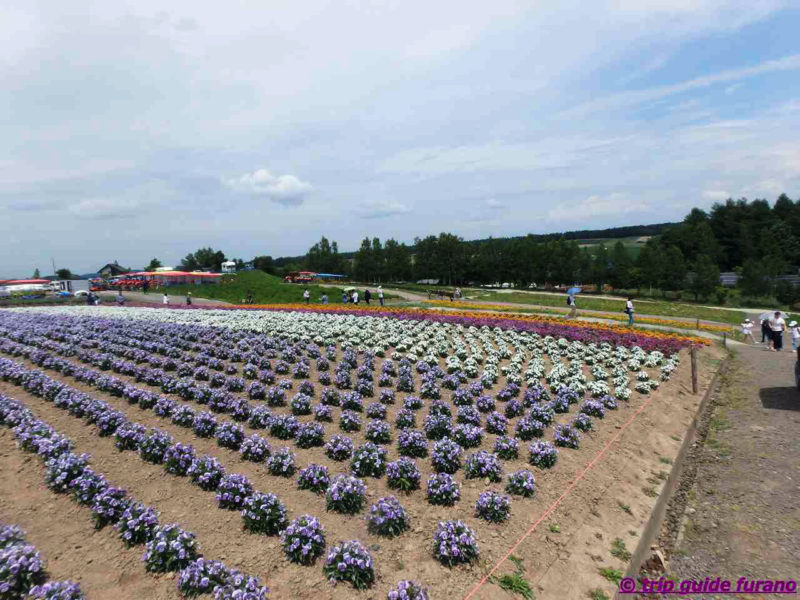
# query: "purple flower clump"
x,y
493,507
522,483
178,458
387,517
437,426
303,540
594,408
543,413
260,417
485,404
153,447
284,427
63,470
352,401
339,448
405,419
566,436
506,448
205,425
582,422
206,473
202,576
232,491
310,435
468,436
86,486
170,549
378,432
454,543
281,463
408,590
496,423
403,475
57,590
315,478
412,443
349,421
254,448
543,454
21,568
345,494
264,513
446,456
443,490
350,562
109,506
137,524
301,404
323,413
369,460
183,416
483,465
528,428
376,410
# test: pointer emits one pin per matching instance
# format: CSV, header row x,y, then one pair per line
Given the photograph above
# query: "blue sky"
x,y
132,131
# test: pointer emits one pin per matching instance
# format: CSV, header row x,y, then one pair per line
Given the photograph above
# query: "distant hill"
x,y
593,236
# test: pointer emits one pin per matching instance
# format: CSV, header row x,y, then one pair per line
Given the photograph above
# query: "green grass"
x,y
613,575
619,550
598,594
267,289
555,528
587,302
515,584
625,507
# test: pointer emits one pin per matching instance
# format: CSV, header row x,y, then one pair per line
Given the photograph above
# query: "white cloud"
x,y
106,208
716,195
377,209
494,203
283,189
597,206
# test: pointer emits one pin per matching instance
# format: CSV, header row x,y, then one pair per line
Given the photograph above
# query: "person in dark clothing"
x,y
145,286
367,296
189,299
766,332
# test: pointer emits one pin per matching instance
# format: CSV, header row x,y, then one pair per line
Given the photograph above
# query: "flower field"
x,y
318,453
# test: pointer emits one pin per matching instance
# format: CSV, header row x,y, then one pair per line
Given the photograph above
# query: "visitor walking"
x,y
324,298
629,309
777,325
457,294
90,299
307,296
145,286
380,295
367,296
188,298
355,296
747,330
345,299
766,334
120,299
165,299
573,307
795,331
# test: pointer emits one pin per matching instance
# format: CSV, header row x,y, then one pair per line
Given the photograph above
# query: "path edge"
x,y
656,519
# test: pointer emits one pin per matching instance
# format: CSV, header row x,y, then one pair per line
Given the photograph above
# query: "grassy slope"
x,y
267,289
666,309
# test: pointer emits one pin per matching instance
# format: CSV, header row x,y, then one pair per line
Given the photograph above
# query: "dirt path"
x,y
157,298
742,517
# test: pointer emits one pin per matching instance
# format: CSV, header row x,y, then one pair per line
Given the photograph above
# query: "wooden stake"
x,y
694,370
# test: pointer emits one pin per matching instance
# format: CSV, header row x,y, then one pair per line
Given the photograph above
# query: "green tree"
x,y
364,266
705,277
264,263
752,279
397,260
204,258
154,264
621,263
64,274
36,274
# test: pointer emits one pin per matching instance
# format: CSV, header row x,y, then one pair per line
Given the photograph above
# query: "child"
x,y
747,330
795,335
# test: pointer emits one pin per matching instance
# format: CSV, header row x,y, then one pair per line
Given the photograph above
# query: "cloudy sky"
x,y
129,130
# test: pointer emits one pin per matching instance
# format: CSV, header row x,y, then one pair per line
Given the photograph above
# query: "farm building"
x,y
111,270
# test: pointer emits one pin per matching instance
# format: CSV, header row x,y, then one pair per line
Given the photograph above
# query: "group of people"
x,y
772,332
165,299
347,297
573,308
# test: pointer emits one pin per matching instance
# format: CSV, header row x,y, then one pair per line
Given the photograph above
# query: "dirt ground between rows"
x,y
561,558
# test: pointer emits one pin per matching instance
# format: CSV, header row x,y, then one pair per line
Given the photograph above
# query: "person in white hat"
x,y
747,330
795,330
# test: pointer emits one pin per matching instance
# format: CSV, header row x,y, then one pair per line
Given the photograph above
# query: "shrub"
x,y
468,436
349,421
485,404
378,432
522,483
543,454
230,435
202,576
352,401
454,543
446,456
412,403
387,517
281,463
582,422
109,506
205,424
276,396
437,426
403,475
408,590
170,549
240,410
339,448
206,473
493,507
21,568
263,513
323,413
483,465
284,427
439,407
301,405
542,413
405,419
386,397
369,460
514,408
137,524
63,470
376,410
232,491
57,590
496,423
566,436
315,478
593,408
528,428
330,397
303,540
254,448
260,417
345,494
310,435
412,443
443,490
506,448
183,416
350,561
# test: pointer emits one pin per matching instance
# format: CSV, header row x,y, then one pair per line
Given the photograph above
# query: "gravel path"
x,y
742,516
